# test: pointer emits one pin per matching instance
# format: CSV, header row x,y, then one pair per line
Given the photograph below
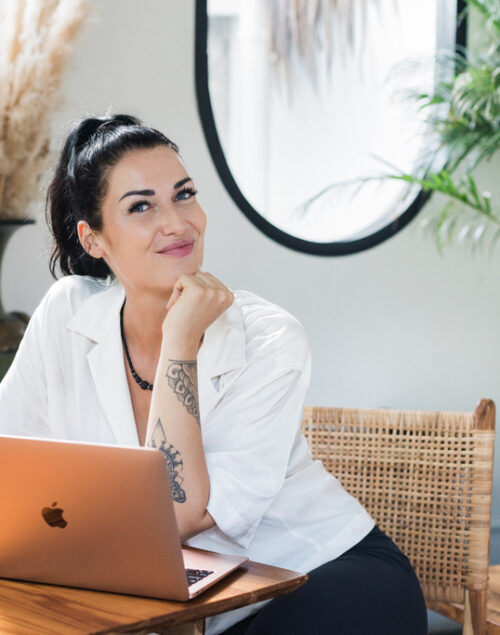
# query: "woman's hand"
x,y
196,301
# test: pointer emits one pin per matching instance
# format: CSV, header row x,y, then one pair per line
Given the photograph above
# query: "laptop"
x,y
98,517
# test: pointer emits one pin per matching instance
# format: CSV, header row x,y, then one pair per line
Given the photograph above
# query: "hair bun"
x,y
123,120
87,128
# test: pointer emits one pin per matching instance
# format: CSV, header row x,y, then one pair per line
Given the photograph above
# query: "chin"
x,y
184,267
167,282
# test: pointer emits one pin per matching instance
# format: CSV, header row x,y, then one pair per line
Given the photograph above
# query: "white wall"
x,y
396,326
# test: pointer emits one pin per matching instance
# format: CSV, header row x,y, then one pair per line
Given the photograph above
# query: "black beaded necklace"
x,y
142,382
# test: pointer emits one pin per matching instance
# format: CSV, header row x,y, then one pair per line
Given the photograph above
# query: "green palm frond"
x,y
467,217
464,116
463,120
465,191
489,9
465,113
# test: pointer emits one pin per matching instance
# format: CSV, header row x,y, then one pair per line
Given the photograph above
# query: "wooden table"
x,y
45,609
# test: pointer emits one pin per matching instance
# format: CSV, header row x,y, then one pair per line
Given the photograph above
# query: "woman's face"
x,y
153,226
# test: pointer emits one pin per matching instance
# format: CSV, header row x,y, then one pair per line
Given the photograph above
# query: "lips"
x,y
176,246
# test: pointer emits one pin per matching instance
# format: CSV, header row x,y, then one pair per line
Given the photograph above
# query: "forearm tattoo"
x,y
183,379
173,460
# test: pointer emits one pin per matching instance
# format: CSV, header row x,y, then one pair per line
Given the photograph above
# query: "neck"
x,y
143,319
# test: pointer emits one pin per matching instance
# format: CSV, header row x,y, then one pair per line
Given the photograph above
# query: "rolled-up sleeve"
x,y
250,434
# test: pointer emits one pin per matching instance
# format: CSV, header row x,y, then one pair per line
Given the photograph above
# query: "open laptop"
x,y
98,517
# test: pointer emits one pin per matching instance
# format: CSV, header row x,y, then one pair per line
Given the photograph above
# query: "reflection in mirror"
x,y
302,100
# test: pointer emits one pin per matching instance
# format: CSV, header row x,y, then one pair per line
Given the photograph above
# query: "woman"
x,y
137,345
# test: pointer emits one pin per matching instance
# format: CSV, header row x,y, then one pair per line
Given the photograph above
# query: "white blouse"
x,y
268,498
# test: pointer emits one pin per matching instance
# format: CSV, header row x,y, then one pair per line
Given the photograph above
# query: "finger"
x,y
186,280
201,280
183,282
210,280
174,296
220,285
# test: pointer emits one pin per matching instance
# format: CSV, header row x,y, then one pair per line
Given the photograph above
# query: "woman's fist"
x,y
196,301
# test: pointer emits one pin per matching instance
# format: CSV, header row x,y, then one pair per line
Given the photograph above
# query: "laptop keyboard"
x,y
195,575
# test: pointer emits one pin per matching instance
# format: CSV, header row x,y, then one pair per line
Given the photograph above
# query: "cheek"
x,y
202,222
120,240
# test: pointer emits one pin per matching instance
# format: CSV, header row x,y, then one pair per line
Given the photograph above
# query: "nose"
x,y
172,221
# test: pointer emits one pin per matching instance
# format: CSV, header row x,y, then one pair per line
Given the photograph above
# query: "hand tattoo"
x,y
173,460
183,379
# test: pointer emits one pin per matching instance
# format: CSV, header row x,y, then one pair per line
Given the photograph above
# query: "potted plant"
x,y
464,118
36,40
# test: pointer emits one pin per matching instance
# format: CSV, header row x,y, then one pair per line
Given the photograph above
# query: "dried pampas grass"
x,y
37,38
302,30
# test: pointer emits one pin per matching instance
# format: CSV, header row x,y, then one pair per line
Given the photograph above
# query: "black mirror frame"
x,y
205,112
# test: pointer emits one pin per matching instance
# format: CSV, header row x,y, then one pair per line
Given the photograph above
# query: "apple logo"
x,y
53,516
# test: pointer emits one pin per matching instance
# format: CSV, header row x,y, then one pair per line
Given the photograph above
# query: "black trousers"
x,y
369,590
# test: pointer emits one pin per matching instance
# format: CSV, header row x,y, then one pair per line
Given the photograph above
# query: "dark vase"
x,y
12,325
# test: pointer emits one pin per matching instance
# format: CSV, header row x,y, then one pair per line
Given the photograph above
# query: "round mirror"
x,y
300,99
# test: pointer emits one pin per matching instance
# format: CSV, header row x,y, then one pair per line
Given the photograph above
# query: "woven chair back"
x,y
425,478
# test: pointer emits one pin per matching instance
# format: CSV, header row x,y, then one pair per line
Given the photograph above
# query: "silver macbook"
x,y
97,517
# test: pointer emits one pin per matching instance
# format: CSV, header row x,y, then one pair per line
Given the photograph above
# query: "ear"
x,y
89,240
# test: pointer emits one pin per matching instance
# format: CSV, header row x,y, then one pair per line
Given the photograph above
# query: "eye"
x,y
138,206
186,193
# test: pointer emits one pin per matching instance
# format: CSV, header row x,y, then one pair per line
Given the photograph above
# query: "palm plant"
x,y
462,113
464,116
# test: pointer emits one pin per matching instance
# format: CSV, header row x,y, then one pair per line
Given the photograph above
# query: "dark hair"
x,y
79,185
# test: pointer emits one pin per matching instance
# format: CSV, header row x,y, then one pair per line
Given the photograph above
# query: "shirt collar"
x,y
223,347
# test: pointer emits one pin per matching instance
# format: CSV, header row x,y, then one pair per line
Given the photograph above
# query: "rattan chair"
x,y
426,478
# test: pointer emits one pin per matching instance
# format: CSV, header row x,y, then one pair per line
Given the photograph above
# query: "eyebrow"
x,y
152,192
